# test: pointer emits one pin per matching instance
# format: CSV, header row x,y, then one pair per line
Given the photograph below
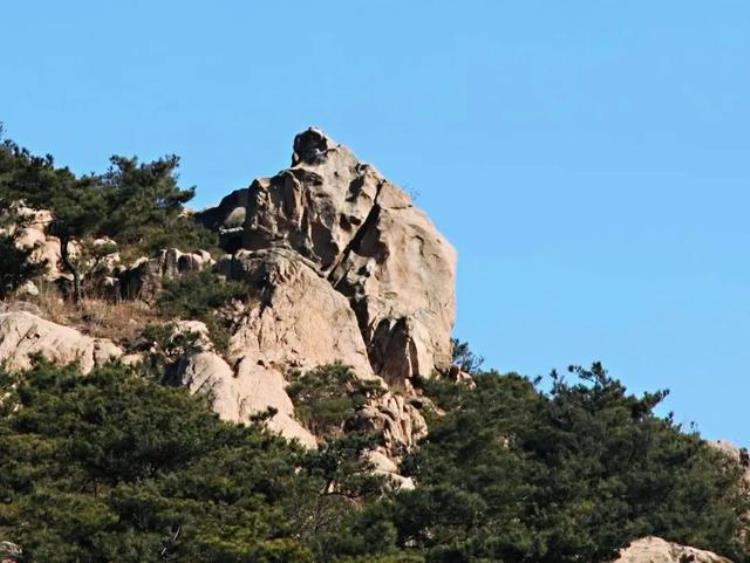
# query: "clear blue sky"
x,y
589,160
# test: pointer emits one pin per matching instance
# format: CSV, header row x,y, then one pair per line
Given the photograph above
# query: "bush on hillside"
x,y
201,296
138,205
512,474
113,467
328,397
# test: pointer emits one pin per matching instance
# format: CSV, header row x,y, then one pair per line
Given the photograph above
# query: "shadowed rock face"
x,y
362,235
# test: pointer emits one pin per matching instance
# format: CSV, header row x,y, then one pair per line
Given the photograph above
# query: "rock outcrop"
x,y
341,267
365,238
227,219
143,279
657,550
32,233
10,552
737,455
24,335
296,320
237,393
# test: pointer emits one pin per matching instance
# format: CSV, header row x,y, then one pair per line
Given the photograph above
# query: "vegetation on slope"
x,y
138,205
114,467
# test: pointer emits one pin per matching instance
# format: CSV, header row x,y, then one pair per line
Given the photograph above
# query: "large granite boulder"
x,y
365,237
24,336
340,267
295,319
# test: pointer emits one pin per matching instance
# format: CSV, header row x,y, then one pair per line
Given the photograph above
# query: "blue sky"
x,y
589,160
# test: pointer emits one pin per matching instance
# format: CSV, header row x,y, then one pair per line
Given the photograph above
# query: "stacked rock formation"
x,y
364,239
342,267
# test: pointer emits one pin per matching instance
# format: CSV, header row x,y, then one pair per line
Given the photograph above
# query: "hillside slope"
x,y
312,313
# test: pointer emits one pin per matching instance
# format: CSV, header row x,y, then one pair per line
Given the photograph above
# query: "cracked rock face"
x,y
364,238
297,321
341,267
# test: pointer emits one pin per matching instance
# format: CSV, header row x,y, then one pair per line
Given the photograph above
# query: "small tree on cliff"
x,y
146,206
78,210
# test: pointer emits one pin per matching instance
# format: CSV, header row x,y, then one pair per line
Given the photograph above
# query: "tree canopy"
x,y
111,466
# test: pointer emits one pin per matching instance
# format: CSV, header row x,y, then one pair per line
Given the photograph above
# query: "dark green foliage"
x,y
195,295
77,204
146,205
108,467
510,474
200,296
138,205
464,358
327,398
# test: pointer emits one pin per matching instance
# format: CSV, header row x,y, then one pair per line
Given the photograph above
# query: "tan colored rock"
x,y
33,224
143,279
18,306
10,552
24,335
295,319
365,236
239,393
198,329
27,289
656,550
340,267
384,465
400,276
399,421
315,207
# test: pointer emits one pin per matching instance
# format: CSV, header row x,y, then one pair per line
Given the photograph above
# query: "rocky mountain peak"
x,y
364,237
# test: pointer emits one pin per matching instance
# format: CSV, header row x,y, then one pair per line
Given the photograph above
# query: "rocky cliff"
x,y
338,266
325,263
341,221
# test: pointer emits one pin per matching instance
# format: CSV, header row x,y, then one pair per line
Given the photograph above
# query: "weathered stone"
x,y
227,219
23,336
397,420
656,550
399,275
10,552
31,231
295,319
737,455
365,236
17,306
238,393
27,289
384,465
143,279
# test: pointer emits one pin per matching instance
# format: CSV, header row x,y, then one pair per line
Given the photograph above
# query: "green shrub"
x,y
200,296
513,474
328,397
